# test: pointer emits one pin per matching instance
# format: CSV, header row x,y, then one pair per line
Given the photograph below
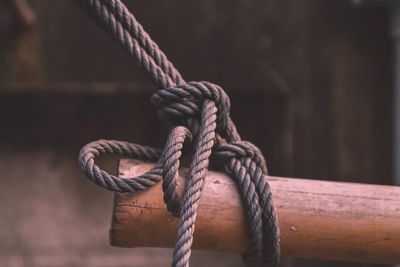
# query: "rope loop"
x,y
94,149
166,167
170,170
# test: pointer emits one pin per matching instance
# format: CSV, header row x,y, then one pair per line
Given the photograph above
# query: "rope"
x,y
200,113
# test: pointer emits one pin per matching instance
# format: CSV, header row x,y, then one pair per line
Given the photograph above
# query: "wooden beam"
x,y
317,219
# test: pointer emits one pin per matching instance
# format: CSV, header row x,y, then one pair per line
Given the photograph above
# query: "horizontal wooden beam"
x,y
317,219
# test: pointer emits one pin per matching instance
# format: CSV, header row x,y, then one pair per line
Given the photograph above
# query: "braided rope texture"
x,y
199,112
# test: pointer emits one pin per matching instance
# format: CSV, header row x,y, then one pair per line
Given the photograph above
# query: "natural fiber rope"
x,y
198,109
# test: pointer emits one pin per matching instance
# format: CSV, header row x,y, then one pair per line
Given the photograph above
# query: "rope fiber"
x,y
199,113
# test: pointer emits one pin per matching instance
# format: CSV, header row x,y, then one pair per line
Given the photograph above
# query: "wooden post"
x,y
317,219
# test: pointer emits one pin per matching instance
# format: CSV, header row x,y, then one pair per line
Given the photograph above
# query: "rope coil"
x,y
200,113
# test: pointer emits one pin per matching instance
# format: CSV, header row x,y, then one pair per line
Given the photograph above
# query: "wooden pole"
x,y
317,219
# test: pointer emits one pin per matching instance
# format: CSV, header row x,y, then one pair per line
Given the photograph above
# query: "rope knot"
x,y
183,103
241,149
199,112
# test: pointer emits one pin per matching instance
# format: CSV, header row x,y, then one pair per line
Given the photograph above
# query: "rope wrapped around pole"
x,y
198,111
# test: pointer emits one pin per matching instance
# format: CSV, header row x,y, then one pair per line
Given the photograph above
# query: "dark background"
x,y
310,84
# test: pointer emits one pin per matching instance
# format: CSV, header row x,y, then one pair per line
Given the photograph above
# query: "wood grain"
x,y
317,219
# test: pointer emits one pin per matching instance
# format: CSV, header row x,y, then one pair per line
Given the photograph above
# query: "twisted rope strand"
x,y
172,154
195,184
136,31
113,25
203,108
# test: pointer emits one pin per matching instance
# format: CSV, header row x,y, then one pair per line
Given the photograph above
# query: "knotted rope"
x,y
200,113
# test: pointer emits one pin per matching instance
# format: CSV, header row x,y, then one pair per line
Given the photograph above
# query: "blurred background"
x,y
315,77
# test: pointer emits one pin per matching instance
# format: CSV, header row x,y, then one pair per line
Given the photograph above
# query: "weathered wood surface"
x,y
317,219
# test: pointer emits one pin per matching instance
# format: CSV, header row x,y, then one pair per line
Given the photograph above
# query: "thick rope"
x,y
114,17
202,110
